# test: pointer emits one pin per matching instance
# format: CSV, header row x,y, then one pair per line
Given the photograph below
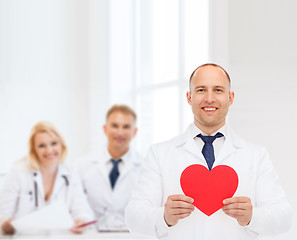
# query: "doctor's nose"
x,y
121,131
49,149
209,98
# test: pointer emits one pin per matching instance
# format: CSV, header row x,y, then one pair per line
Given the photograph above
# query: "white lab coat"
x,y
107,204
19,196
160,178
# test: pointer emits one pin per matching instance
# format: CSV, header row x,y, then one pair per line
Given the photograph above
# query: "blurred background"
x,y
68,61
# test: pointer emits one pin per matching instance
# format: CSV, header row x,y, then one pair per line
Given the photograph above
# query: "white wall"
x,y
43,73
260,38
99,68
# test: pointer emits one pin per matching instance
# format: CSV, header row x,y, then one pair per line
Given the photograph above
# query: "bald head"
x,y
208,65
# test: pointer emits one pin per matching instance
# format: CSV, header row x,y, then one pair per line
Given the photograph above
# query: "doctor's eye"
x,y
200,90
218,90
127,126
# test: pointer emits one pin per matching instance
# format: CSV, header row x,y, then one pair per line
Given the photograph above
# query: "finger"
x,y
8,228
181,216
74,230
235,212
77,229
181,204
178,211
180,197
77,222
7,223
234,206
236,200
188,209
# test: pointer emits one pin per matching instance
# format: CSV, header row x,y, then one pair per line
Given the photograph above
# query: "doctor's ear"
x,y
189,98
135,131
231,98
104,129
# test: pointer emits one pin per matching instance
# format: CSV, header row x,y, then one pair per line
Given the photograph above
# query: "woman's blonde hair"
x,y
49,128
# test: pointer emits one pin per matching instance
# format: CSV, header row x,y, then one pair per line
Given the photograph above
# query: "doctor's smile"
x,y
120,139
209,109
47,147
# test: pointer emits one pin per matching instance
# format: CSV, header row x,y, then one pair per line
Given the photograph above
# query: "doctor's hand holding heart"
x,y
177,207
212,190
208,183
240,208
180,206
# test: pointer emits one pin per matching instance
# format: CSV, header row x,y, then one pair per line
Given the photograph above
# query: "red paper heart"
x,y
209,188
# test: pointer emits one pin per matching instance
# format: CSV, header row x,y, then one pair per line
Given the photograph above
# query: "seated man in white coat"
x,y
159,206
108,175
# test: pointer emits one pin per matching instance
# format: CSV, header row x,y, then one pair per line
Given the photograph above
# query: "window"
x,y
155,45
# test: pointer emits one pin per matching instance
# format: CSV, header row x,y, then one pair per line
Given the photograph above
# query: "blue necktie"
x,y
207,149
114,173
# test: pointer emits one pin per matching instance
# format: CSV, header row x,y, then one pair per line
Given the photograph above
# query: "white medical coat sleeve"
x,y
144,214
9,194
161,226
272,214
79,206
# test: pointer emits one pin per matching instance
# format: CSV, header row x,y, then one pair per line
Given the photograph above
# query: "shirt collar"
x,y
124,158
196,131
62,171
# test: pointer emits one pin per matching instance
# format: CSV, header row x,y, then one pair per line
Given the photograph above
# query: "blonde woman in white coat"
x,y
40,179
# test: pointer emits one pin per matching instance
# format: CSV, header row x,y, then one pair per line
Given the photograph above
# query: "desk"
x,y
87,235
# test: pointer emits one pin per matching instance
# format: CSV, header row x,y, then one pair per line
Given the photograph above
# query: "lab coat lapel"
x,y
60,181
129,160
101,167
103,183
189,144
230,145
38,180
99,160
191,147
126,169
226,150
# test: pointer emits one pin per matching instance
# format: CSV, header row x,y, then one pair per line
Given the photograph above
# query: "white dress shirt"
x,y
217,143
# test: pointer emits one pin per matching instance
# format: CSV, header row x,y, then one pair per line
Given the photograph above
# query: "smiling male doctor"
x,y
108,175
159,208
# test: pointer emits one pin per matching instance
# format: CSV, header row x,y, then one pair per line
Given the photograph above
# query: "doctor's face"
x,y
120,129
48,148
210,98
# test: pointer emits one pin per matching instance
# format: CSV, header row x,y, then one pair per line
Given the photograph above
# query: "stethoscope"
x,y
36,190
